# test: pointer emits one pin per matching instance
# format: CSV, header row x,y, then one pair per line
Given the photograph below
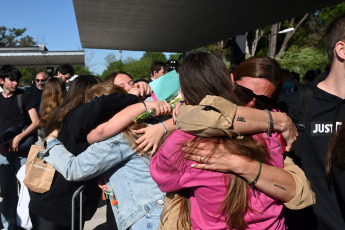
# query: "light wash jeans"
x,y
9,190
149,222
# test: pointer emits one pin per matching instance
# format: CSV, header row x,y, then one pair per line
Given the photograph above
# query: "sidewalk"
x,y
98,221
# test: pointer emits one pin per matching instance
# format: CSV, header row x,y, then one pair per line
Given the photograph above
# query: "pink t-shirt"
x,y
207,188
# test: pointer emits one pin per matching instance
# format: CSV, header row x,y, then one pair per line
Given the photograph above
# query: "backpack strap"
x,y
305,97
305,105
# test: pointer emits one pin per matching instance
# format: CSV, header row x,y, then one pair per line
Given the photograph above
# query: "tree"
x,y
288,35
12,37
174,56
300,60
81,70
154,56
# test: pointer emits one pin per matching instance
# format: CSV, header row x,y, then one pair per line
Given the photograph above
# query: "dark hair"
x,y
335,156
262,67
334,33
156,66
171,65
75,97
11,72
65,69
111,77
204,74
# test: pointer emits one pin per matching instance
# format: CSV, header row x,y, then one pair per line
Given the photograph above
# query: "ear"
x,y
2,81
340,50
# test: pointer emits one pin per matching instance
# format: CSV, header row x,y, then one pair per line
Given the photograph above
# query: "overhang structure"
x,y
35,56
179,25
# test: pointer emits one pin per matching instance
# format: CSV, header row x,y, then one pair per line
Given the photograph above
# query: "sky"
x,y
53,24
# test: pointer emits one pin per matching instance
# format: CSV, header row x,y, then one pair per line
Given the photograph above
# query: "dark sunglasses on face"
x,y
247,95
40,80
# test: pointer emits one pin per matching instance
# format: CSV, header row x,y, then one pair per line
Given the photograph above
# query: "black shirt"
x,y
328,112
55,205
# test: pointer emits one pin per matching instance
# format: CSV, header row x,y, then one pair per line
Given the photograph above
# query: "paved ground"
x,y
98,222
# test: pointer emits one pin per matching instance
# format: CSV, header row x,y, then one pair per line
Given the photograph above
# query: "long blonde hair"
x,y
52,97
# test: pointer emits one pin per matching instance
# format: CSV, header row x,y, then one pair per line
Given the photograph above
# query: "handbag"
x,y
39,174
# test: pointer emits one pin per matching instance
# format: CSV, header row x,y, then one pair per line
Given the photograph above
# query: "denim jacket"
x,y
127,173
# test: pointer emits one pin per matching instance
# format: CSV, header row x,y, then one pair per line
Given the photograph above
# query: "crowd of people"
x,y
235,153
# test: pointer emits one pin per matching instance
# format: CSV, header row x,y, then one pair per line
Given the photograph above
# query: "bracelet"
x,y
252,183
145,106
165,129
270,122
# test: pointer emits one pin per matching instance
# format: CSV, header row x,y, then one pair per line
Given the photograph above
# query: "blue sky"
x,y
53,24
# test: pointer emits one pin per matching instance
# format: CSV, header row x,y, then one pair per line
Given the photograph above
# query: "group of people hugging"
x,y
219,162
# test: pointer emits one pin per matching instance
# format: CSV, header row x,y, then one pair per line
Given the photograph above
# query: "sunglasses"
x,y
39,80
246,95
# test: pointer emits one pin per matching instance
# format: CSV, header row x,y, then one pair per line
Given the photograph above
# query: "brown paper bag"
x,y
38,173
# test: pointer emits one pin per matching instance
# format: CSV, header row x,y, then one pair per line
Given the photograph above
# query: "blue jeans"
x,y
9,190
150,221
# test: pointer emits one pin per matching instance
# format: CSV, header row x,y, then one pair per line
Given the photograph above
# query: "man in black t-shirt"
x,y
17,111
328,111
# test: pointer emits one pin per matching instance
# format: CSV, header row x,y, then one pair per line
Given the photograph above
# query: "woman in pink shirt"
x,y
217,200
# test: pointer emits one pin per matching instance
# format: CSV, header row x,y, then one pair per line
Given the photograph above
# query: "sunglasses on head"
x,y
246,95
40,80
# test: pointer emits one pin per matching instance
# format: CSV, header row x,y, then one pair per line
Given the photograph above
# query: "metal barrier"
x,y
75,194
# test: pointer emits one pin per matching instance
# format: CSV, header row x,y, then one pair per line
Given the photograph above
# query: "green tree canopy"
x,y
154,56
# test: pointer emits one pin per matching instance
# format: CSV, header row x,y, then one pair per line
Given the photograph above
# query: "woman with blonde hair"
x,y
52,97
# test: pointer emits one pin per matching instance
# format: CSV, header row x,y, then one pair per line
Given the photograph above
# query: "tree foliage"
x,y
12,37
300,60
154,56
81,70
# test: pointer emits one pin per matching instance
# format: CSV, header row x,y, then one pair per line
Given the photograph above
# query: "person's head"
x,y
75,97
171,65
258,80
102,89
121,79
40,79
204,74
9,77
335,35
157,69
52,97
65,72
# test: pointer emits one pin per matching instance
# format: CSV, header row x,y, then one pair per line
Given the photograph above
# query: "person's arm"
x,y
32,127
304,194
95,160
248,120
98,111
273,181
124,118
227,117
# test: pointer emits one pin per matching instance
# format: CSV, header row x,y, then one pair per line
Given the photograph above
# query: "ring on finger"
x,y
200,158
